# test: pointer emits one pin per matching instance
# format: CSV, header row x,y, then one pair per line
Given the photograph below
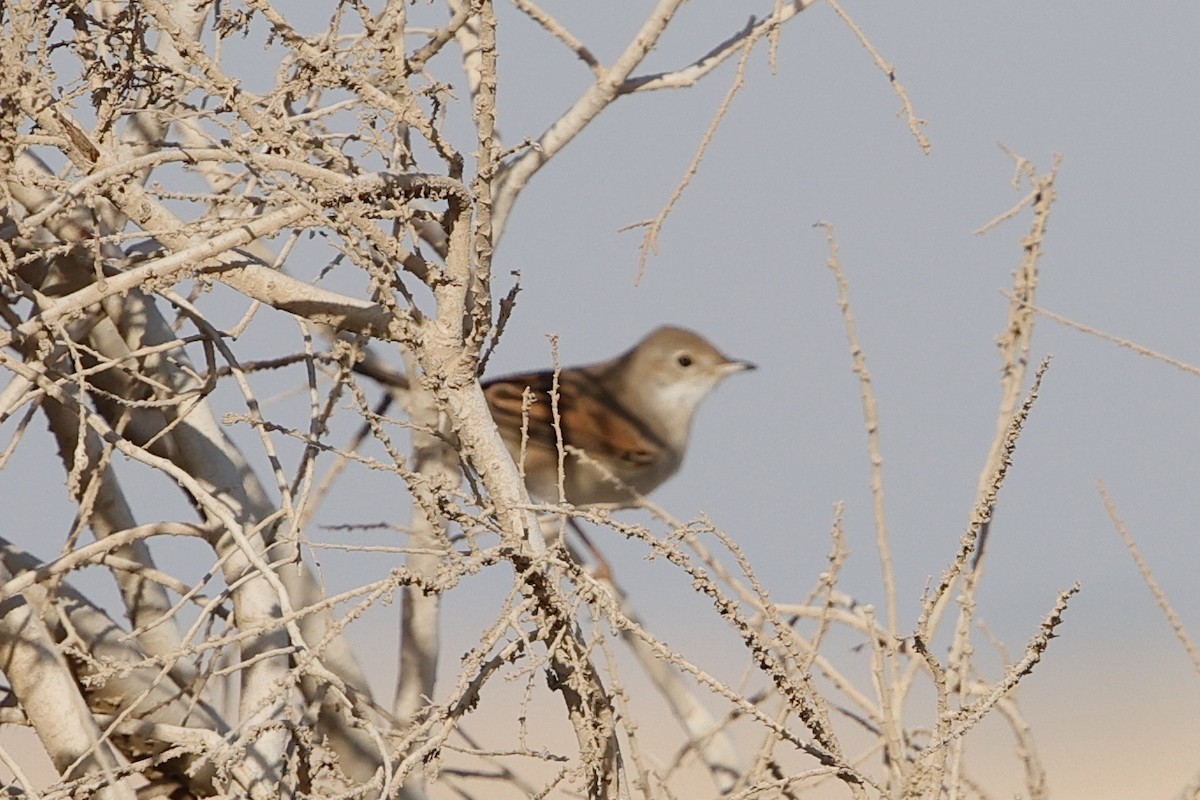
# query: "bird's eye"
x,y
684,360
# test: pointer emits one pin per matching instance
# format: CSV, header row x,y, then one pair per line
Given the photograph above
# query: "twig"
x,y
1160,597
914,124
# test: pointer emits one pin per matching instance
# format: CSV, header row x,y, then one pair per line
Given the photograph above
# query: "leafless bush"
x,y
154,202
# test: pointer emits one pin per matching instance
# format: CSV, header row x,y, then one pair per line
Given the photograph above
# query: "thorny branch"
x,y
208,266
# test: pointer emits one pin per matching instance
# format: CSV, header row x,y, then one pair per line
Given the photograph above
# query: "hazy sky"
x,y
1110,87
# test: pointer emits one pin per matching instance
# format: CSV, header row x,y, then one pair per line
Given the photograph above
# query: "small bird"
x,y
624,422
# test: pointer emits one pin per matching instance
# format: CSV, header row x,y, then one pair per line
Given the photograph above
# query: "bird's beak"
x,y
737,365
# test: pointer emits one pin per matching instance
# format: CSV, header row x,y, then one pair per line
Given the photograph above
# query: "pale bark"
x,y
152,182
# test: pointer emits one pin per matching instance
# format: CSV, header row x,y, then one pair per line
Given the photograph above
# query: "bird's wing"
x,y
591,421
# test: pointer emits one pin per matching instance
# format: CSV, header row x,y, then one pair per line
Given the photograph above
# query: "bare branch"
x,y
1160,597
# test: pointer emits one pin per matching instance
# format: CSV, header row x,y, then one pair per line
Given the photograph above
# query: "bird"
x,y
624,422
